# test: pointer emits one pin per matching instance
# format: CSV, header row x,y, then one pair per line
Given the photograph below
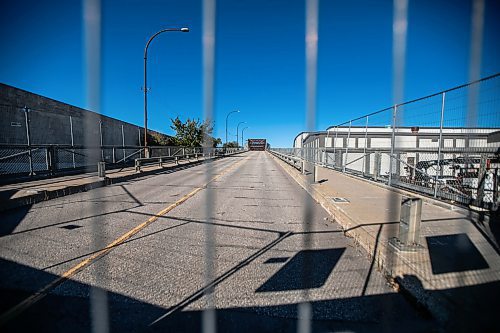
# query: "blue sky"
x,y
260,54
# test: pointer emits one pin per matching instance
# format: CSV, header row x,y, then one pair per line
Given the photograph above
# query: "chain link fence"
x,y
445,145
40,143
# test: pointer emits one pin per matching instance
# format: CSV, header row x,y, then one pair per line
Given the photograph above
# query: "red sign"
x,y
257,144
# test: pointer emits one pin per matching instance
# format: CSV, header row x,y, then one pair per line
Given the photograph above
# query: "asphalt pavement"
x,y
236,234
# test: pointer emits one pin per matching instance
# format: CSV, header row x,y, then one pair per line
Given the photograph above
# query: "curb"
x,y
409,285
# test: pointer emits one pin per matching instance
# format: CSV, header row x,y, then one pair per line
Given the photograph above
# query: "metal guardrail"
x,y
294,161
165,159
47,160
469,178
27,161
154,160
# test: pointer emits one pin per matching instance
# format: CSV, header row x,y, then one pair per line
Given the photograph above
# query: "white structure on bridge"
x,y
451,156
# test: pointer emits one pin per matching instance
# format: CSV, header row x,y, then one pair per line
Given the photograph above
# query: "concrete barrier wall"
x,y
50,121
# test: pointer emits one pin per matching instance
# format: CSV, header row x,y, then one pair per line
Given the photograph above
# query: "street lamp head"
x,y
185,29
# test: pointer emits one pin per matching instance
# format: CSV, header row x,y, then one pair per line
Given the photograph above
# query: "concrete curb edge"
x,y
434,304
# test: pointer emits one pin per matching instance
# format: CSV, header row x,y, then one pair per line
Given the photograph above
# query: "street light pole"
x,y
237,131
226,122
242,131
146,82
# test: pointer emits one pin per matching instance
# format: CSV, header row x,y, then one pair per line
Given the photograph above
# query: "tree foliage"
x,y
194,133
158,139
231,144
216,142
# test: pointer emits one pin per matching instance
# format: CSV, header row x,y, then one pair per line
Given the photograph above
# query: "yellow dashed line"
x,y
30,301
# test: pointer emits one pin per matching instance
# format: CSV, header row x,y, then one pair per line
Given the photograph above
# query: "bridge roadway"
x,y
144,242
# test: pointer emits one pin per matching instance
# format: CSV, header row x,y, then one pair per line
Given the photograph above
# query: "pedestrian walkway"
x,y
30,192
455,273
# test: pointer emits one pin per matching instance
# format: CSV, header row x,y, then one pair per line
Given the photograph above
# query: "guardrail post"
x,y
177,160
101,170
303,167
409,225
114,155
161,163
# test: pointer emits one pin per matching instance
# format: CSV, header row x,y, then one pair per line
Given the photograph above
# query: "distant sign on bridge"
x,y
257,144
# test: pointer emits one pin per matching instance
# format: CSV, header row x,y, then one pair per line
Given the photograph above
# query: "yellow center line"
x,y
40,294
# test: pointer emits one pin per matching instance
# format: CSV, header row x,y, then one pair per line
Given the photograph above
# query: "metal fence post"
x,y
51,158
496,177
481,178
139,136
28,139
47,159
347,147
72,141
101,140
335,144
377,162
438,167
123,145
393,142
364,148
325,154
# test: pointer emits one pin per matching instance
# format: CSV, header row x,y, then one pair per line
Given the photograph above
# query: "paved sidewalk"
x,y
30,192
456,273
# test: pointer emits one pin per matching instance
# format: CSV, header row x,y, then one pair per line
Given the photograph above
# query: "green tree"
x,y
194,133
158,139
231,144
216,142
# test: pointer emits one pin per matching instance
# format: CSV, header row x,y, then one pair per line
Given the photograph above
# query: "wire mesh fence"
x,y
37,142
440,145
31,160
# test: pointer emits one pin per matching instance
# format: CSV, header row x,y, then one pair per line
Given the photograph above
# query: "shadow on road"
x,y
285,279
11,220
62,311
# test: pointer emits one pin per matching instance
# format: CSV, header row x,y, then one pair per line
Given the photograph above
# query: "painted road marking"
x,y
39,295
